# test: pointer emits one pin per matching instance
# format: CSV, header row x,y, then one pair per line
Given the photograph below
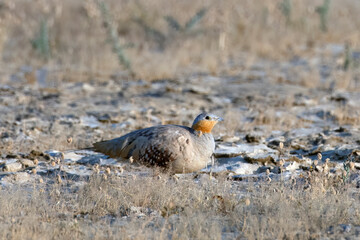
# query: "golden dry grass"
x,y
180,209
79,42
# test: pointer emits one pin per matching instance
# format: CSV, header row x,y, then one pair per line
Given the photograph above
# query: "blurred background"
x,y
163,39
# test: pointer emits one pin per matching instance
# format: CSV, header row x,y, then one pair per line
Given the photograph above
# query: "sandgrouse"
x,y
179,149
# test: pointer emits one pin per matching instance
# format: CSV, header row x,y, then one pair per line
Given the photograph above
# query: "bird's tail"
x,y
105,147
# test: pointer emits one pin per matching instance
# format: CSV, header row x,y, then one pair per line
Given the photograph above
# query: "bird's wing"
x,y
119,147
168,143
152,145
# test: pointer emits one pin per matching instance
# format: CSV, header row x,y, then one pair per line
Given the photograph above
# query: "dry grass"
x,y
346,115
258,28
177,209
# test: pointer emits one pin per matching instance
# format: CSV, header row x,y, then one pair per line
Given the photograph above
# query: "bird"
x,y
175,148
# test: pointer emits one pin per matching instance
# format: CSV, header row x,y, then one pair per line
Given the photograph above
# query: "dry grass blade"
x,y
114,38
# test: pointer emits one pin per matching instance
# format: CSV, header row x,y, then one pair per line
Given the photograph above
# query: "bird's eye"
x,y
207,118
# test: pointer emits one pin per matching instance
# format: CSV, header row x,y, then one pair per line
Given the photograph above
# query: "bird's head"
x,y
205,122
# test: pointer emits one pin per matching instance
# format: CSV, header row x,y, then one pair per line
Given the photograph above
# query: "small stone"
x,y
69,140
36,161
27,163
291,166
87,87
33,171
107,170
53,163
105,177
41,180
230,139
319,156
131,159
247,202
199,90
12,167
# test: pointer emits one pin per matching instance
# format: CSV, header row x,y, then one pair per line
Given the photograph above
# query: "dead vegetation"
x,y
162,39
162,208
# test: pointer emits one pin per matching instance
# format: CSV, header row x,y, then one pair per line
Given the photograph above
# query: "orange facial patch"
x,y
205,126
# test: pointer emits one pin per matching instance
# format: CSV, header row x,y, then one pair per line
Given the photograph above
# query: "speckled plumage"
x,y
180,149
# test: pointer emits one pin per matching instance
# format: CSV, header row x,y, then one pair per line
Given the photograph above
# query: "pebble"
x,y
27,163
12,167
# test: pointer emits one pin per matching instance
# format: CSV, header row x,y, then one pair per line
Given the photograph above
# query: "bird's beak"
x,y
219,119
